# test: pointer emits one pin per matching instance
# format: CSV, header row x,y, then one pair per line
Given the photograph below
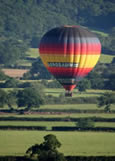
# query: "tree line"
x,y
34,96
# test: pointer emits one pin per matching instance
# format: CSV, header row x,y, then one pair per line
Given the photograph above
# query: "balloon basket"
x,y
68,94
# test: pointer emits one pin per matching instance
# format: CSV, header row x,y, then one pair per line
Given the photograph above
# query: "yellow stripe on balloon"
x,y
84,61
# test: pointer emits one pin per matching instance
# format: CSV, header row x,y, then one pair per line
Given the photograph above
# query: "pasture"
x,y
50,124
73,143
16,142
89,92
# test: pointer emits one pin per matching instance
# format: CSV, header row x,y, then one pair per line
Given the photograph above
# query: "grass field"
x,y
75,106
50,124
88,93
63,115
60,91
13,142
73,143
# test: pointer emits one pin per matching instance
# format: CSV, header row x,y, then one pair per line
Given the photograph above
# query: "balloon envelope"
x,y
69,53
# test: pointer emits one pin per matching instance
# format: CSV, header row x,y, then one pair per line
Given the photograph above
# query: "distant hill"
x,y
28,18
23,23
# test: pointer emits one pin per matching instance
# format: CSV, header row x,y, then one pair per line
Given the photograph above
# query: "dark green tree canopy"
x,y
38,71
83,85
106,100
47,150
85,123
11,51
30,97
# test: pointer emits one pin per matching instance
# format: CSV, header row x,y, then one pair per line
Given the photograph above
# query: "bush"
x,y
11,83
85,123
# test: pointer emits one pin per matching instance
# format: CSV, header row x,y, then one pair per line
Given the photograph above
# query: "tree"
x,y
3,98
83,85
11,99
3,76
38,70
11,51
47,151
85,123
8,99
11,83
106,100
30,97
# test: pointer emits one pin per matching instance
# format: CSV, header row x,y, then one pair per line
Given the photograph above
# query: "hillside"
x,y
23,23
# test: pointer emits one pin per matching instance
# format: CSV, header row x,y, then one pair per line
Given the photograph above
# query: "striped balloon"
x,y
69,53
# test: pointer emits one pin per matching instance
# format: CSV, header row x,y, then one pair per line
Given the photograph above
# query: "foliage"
x,y
11,83
83,85
3,76
15,17
8,99
30,97
106,100
11,51
47,150
85,123
38,70
3,98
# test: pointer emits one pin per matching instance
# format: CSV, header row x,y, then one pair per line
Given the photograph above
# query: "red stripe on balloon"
x,y
69,87
69,72
70,49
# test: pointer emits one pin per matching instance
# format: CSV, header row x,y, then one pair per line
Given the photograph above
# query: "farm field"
x,y
73,143
15,73
74,107
88,93
49,124
60,91
62,115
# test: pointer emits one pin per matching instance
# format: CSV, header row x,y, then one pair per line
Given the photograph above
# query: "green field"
x,y
60,91
76,93
50,124
74,107
16,142
64,115
73,143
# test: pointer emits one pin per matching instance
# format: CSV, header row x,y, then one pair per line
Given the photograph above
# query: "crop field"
x,y
88,93
73,143
16,73
16,142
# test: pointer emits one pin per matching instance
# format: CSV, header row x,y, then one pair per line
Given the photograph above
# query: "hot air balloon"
x,y
69,53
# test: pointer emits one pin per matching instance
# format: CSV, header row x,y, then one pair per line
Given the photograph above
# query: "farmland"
x,y
16,73
87,143
73,143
